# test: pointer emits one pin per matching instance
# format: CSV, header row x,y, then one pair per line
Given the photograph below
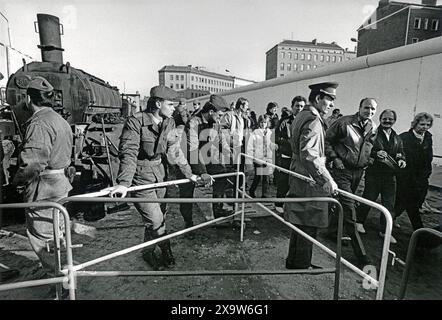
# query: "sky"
x,y
127,42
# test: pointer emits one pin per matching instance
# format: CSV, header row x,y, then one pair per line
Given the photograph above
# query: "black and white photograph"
x,y
218,157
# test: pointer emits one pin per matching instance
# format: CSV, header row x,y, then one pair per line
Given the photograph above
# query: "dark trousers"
x,y
186,191
301,249
410,198
257,179
348,180
282,181
375,185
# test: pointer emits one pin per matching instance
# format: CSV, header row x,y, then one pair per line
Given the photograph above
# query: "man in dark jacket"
x,y
203,153
308,159
387,157
284,152
412,181
348,144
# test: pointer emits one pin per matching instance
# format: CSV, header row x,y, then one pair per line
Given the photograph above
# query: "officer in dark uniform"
x,y
203,148
148,136
308,158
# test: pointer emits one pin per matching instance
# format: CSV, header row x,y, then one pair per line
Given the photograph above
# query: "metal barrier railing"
x,y
70,277
410,255
73,271
386,245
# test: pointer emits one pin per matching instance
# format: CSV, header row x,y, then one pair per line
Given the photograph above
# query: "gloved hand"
x,y
206,179
119,191
194,178
381,154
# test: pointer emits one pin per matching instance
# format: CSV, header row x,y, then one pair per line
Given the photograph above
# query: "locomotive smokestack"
x,y
50,38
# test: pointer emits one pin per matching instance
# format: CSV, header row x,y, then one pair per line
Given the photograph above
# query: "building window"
x,y
281,75
315,57
182,86
177,86
417,23
283,55
192,78
171,77
295,66
289,55
171,85
192,86
302,56
315,66
340,59
414,40
327,58
322,58
177,77
289,67
334,59
309,56
308,67
426,22
296,56
182,77
435,24
281,66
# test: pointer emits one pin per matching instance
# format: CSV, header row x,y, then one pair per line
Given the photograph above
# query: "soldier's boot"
x,y
148,253
166,252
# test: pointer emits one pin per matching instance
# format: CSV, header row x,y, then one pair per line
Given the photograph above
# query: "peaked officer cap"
x,y
329,88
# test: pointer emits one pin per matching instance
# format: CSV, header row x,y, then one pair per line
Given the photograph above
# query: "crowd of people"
x,y
207,140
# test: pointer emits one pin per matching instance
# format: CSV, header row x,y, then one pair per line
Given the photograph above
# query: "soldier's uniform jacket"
x,y
47,147
142,145
203,146
349,142
308,159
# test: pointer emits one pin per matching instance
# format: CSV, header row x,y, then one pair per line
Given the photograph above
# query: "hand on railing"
x,y
117,191
330,187
206,180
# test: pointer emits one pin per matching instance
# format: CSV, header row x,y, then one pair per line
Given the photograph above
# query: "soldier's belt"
x,y
51,171
149,163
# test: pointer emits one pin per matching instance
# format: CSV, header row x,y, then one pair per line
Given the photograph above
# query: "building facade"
x,y
192,82
296,56
394,24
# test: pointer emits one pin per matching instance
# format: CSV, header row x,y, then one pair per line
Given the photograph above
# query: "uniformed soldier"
x,y
43,160
308,159
203,147
146,137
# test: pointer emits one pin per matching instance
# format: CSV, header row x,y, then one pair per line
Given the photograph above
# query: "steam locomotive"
x,y
94,109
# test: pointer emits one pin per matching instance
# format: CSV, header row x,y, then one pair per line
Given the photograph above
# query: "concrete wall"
x,y
407,79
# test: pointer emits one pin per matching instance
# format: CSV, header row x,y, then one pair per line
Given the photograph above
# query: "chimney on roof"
x,y
383,2
315,41
334,42
429,2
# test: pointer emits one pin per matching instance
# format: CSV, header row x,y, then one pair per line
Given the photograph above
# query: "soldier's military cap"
x,y
41,84
218,102
164,92
329,88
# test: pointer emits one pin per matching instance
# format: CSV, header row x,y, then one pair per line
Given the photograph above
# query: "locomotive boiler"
x,y
91,105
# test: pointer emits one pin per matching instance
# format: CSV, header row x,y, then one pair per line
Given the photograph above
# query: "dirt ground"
x,y
264,247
